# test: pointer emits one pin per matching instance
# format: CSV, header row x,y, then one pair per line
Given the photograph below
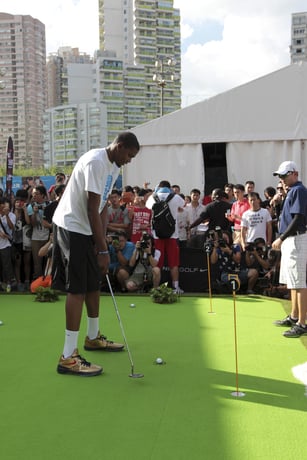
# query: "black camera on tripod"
x,y
144,243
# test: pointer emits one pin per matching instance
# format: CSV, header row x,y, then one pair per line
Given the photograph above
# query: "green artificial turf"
x,y
180,410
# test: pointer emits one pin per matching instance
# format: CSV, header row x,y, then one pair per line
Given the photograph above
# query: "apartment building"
x,y
23,93
298,47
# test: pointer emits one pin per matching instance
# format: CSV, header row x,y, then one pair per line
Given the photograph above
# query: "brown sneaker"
x,y
101,343
77,365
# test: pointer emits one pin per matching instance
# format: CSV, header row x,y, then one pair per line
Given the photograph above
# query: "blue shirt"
x,y
295,203
127,253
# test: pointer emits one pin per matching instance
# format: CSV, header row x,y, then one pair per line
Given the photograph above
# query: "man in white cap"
x,y
293,244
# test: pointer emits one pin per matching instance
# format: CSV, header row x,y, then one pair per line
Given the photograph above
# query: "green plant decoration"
x,y
163,294
46,294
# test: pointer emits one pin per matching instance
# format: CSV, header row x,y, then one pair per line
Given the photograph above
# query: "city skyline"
x,y
225,43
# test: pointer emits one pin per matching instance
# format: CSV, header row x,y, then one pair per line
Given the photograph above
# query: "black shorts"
x,y
74,268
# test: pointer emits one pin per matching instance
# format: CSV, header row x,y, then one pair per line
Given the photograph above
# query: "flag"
x,y
9,166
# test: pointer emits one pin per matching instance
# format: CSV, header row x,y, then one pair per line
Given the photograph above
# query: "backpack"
x,y
163,221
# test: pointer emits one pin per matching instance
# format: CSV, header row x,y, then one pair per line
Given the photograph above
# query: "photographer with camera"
x,y
228,256
40,234
144,263
256,256
120,250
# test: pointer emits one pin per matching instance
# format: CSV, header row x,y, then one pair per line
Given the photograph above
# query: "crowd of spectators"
x,y
234,224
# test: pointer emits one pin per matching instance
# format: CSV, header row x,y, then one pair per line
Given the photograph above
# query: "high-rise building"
x,y
70,130
57,73
298,47
145,36
23,88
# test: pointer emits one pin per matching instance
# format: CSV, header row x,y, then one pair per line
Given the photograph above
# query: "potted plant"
x,y
163,294
46,294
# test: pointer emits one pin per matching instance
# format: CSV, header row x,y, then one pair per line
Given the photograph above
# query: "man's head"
x,y
254,201
249,186
238,191
287,172
123,149
176,188
218,194
60,178
114,198
195,195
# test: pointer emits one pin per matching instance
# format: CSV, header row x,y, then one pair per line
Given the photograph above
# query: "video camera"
x,y
144,243
209,243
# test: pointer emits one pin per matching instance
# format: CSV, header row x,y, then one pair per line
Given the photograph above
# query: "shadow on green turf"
x,y
259,390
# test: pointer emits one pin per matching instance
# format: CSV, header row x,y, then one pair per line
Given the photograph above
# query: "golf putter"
x,y
133,374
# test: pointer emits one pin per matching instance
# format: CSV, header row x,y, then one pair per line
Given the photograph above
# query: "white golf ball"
x,y
1,322
159,360
132,305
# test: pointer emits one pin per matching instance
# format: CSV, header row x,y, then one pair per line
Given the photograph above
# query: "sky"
x,y
225,43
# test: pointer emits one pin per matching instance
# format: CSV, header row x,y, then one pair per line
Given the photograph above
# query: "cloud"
x,y
250,47
68,23
224,42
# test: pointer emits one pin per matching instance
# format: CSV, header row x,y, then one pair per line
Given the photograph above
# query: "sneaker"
x,y
101,343
296,331
288,321
250,292
178,291
76,365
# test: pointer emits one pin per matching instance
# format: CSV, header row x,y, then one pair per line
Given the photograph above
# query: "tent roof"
x,y
272,107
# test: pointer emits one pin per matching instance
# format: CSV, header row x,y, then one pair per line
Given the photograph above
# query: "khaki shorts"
x,y
293,262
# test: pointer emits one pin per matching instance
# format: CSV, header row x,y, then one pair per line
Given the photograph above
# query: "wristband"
x,y
100,253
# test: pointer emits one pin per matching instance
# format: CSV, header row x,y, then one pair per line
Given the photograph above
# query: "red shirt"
x,y
238,208
141,222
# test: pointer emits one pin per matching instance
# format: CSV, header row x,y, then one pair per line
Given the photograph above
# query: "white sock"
x,y
71,342
176,284
92,327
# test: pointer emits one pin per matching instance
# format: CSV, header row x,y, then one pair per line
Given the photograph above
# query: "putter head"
x,y
136,376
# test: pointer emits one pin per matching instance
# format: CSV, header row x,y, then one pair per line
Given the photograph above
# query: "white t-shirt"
x,y
173,205
4,242
93,173
256,224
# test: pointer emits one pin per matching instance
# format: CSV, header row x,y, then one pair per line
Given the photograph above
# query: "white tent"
x,y
261,123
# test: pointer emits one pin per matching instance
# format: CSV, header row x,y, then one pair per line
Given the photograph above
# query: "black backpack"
x,y
163,221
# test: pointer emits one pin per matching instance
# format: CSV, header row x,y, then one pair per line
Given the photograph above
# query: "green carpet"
x,y
181,410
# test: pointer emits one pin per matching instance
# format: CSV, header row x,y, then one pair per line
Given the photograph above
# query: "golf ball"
x,y
159,360
1,322
132,305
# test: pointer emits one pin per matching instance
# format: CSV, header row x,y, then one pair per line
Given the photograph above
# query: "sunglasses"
x,y
283,176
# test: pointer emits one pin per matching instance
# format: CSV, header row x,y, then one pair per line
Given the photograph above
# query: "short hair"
x,y
239,187
254,195
250,182
41,188
270,191
128,139
115,192
195,190
229,186
164,183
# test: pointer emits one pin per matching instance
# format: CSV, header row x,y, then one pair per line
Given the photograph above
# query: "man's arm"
x,y
97,221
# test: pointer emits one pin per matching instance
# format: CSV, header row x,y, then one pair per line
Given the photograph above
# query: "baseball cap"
x,y
285,167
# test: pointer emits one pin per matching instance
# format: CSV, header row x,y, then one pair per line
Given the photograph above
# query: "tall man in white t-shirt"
x,y
81,254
